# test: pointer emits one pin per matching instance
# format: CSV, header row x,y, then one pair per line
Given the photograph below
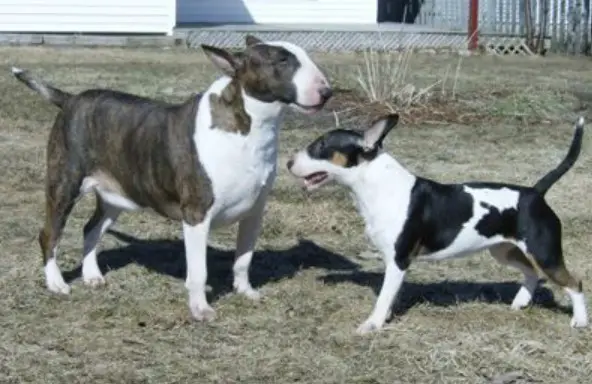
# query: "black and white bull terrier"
x,y
413,218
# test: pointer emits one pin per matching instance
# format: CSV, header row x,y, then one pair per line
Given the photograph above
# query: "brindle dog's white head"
x,y
275,72
340,153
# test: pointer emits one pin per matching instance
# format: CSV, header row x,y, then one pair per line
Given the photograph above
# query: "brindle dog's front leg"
x,y
248,232
196,243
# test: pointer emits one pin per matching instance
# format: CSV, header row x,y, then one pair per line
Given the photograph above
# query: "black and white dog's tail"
x,y
50,93
547,181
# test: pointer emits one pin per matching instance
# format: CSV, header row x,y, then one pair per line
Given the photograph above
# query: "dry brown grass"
x,y
455,325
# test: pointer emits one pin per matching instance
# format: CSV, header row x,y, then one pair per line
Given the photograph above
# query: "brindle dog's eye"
x,y
283,60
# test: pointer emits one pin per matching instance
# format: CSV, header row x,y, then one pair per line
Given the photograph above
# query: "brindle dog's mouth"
x,y
310,108
315,178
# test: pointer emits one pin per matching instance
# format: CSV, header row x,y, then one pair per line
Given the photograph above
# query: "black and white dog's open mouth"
x,y
315,178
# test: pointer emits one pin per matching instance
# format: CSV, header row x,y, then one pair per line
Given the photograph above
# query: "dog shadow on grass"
x,y
447,293
167,257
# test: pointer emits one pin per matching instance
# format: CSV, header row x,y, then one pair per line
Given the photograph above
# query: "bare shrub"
x,y
385,77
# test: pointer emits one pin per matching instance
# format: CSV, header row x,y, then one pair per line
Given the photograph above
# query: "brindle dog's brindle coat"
x,y
228,112
143,148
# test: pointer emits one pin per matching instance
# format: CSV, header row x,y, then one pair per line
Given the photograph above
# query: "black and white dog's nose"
x,y
290,163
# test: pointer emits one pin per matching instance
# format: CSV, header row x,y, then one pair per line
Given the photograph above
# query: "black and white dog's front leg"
x,y
391,284
196,243
248,231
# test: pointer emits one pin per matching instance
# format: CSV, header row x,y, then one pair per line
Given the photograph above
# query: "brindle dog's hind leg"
x,y
104,216
62,188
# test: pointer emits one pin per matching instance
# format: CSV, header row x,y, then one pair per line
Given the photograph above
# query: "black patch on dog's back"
x,y
492,185
436,216
498,222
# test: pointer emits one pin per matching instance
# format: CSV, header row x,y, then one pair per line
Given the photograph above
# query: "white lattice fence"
x,y
334,41
508,45
359,41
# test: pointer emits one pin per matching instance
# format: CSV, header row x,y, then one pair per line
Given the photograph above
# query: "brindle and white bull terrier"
x,y
207,162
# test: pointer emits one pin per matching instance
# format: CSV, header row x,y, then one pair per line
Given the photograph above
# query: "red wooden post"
x,y
473,33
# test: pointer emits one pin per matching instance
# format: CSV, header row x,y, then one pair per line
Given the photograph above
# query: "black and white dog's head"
x,y
276,71
338,154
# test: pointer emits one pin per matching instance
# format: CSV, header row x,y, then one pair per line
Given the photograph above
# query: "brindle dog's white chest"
x,y
241,168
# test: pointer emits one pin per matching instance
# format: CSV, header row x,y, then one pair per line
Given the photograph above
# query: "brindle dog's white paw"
x,y
368,327
205,314
54,279
248,292
252,294
95,281
58,287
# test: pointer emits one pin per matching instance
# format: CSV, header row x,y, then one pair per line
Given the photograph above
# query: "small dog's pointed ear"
x,y
252,40
224,60
374,135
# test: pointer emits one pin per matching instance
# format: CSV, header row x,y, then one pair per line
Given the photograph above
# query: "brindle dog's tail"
x,y
50,93
547,181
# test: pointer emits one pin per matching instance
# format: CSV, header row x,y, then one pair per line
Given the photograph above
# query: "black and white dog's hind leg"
x,y
545,249
551,264
509,254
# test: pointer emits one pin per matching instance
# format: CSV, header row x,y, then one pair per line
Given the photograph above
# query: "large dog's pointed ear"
x,y
252,40
374,136
229,63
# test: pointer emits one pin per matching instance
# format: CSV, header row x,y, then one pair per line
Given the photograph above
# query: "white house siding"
x,y
90,16
277,11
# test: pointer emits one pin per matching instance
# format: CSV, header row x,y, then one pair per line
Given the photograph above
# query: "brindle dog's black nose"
x,y
326,93
290,163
